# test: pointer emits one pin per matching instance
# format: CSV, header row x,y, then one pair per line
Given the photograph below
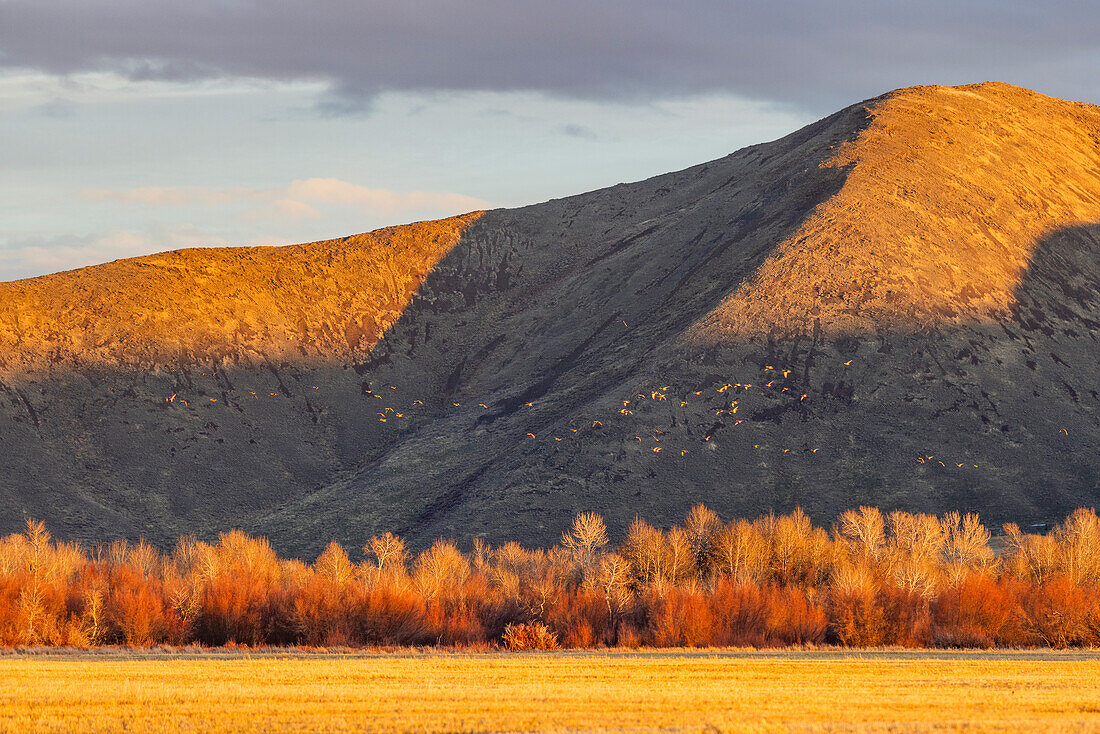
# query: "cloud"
x,y
294,201
157,196
335,191
578,131
804,51
33,255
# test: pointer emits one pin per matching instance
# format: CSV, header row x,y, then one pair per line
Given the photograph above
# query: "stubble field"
x,y
640,691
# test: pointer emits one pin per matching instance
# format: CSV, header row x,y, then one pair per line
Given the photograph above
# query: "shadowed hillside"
x,y
897,305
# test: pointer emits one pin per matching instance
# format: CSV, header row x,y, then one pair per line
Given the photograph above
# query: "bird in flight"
x,y
596,423
531,435
814,451
848,363
656,449
483,405
418,402
456,404
1065,431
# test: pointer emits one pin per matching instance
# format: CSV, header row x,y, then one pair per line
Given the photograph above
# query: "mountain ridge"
x,y
491,403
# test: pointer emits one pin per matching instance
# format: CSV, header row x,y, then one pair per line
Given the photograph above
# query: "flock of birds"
x,y
639,403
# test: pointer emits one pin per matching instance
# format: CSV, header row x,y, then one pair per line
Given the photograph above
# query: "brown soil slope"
x,y
897,305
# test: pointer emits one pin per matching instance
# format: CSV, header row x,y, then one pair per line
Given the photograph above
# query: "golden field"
x,y
639,691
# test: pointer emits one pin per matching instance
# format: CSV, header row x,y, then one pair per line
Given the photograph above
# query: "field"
x,y
641,691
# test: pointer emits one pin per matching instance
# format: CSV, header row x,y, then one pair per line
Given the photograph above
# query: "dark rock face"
x,y
759,332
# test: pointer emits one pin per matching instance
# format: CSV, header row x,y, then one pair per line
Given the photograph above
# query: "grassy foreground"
x,y
688,691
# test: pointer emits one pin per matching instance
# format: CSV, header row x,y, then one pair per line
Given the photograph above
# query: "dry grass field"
x,y
666,691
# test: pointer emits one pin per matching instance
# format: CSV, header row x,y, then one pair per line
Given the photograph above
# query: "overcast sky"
x,y
133,126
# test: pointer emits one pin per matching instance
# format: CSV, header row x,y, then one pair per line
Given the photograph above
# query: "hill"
x,y
898,305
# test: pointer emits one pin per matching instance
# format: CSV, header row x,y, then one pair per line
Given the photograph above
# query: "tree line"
x,y
871,579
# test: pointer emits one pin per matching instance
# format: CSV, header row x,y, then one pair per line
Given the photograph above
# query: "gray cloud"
x,y
816,54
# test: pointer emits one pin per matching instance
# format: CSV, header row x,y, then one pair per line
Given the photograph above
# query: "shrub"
x,y
903,579
529,636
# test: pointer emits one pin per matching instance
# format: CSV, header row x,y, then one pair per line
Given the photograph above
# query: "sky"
x,y
136,126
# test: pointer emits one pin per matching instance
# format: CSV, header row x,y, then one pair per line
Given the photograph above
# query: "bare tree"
x,y
866,529
388,550
585,538
966,545
701,525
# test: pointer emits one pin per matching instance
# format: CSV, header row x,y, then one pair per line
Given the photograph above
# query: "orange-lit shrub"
x,y
581,619
980,611
529,636
901,579
741,614
794,618
681,618
1056,613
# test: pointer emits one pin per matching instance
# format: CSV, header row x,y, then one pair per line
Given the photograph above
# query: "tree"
x,y
585,538
388,550
701,526
866,529
966,546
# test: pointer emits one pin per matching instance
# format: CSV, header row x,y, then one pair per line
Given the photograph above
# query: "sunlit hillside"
x,y
895,306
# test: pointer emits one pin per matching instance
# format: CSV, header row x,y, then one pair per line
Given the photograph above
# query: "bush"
x,y
910,580
529,636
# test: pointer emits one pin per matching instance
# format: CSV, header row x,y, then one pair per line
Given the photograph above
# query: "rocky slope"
x,y
897,305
